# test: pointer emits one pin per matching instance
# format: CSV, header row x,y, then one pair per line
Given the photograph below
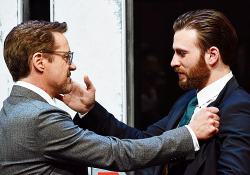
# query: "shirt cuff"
x,y
195,140
82,115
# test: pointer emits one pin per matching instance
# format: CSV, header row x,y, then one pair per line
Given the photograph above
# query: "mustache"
x,y
178,70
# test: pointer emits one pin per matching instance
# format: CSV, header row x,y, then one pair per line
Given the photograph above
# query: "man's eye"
x,y
67,57
182,53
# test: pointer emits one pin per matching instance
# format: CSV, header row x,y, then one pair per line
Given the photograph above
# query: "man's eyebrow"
x,y
179,49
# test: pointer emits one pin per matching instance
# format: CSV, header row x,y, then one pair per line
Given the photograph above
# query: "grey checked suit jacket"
x,y
38,138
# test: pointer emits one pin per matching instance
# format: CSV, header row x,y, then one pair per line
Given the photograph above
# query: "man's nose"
x,y
72,66
175,61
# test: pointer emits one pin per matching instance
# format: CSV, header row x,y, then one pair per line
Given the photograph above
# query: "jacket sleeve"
x,y
62,141
104,123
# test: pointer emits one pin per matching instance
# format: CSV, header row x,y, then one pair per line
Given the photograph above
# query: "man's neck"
x,y
214,76
212,91
38,83
37,90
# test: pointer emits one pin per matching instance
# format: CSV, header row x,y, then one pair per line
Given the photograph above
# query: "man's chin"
x,y
69,89
183,86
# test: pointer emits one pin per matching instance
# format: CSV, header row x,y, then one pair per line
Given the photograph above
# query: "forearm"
x,y
102,122
88,148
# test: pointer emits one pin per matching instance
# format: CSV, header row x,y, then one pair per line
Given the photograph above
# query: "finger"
x,y
88,83
216,117
216,124
216,131
213,109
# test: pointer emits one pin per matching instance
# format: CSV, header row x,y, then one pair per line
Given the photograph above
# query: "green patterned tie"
x,y
189,111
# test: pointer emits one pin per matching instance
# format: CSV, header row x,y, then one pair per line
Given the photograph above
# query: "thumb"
x,y
88,83
213,110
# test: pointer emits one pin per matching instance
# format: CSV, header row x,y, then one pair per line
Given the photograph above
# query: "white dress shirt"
x,y
42,93
209,94
206,96
37,90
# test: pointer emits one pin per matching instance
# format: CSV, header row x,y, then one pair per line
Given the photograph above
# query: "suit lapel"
x,y
176,114
178,110
230,87
208,149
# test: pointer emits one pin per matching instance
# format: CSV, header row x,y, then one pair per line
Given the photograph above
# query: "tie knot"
x,y
193,101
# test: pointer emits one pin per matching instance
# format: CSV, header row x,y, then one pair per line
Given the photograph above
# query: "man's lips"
x,y
181,74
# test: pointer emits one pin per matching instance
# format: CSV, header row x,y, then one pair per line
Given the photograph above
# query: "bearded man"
x,y
205,45
36,137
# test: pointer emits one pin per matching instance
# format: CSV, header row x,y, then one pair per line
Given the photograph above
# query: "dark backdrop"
x,y
156,84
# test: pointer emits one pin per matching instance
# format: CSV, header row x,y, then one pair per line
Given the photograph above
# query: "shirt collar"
x,y
37,90
212,91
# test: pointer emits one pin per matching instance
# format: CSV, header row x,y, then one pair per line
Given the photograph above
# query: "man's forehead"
x,y
60,41
184,38
186,34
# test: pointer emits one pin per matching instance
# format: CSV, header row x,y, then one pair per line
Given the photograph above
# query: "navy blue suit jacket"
x,y
226,153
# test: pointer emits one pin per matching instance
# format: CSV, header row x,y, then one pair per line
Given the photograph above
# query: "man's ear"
x,y
38,61
212,55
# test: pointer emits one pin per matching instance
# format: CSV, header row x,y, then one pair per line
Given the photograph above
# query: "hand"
x,y
205,123
81,99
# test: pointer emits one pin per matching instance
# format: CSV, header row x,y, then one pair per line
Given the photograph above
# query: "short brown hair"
x,y
26,39
213,29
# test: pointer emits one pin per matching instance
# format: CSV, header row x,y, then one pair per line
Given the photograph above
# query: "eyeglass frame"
x,y
70,55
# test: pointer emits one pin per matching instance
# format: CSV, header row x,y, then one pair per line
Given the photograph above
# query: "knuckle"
x,y
211,121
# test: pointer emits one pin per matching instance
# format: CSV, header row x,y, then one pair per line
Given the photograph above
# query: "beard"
x,y
67,89
64,87
196,77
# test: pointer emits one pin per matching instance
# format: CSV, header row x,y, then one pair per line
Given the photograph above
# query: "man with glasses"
x,y
68,57
36,137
